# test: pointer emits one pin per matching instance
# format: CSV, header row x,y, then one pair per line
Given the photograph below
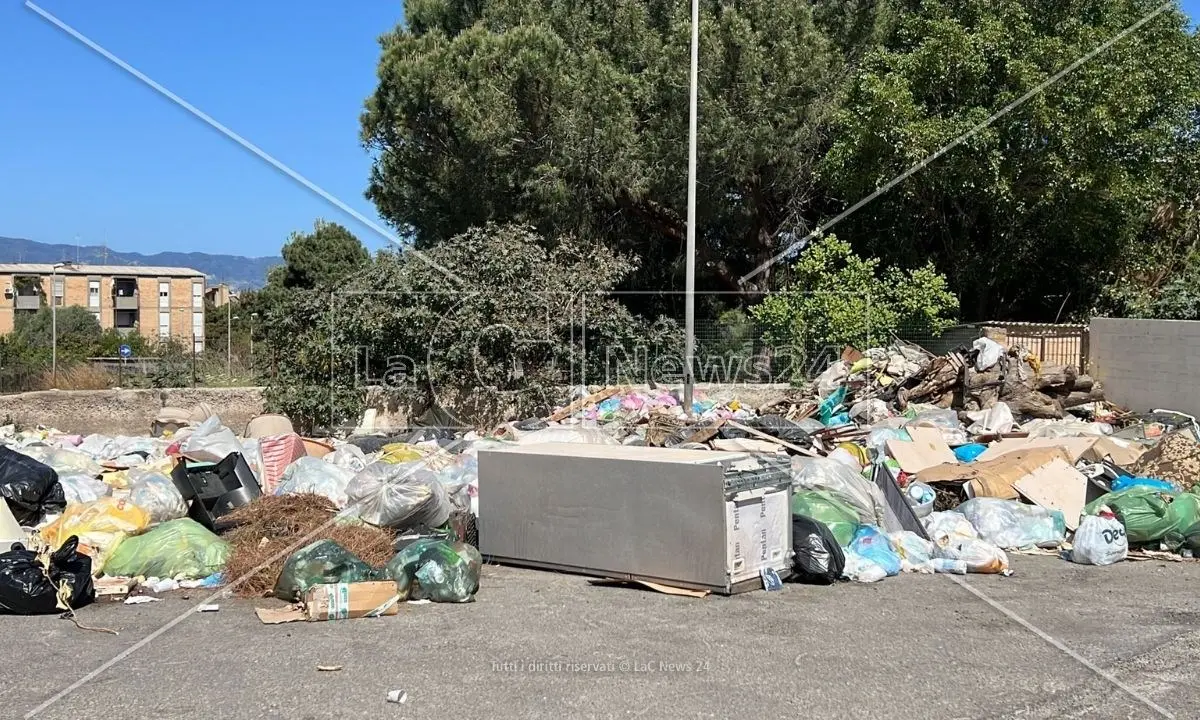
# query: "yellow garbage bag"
x,y
394,453
858,451
100,526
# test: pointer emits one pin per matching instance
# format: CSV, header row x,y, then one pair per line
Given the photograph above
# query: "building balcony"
x,y
125,302
27,302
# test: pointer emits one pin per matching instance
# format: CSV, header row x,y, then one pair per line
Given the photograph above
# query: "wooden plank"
x,y
771,438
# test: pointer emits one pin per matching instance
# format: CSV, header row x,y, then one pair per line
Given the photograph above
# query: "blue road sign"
x,y
125,351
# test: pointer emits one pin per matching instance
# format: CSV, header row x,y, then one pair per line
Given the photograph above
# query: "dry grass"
x,y
284,519
81,376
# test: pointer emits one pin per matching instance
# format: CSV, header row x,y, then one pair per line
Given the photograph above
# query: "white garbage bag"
x,y
402,495
860,569
210,442
155,493
314,475
996,419
990,353
846,483
82,488
1100,540
1011,525
348,457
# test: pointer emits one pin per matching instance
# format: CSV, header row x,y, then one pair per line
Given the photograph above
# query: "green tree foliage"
x,y
838,298
572,118
320,258
78,332
1036,209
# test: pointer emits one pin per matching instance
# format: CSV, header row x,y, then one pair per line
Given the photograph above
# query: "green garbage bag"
x,y
827,508
437,570
180,548
1151,515
320,563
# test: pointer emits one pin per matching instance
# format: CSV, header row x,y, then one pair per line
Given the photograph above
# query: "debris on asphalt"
x,y
893,460
397,696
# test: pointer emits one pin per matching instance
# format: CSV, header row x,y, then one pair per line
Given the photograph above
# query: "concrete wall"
x,y
1147,364
125,412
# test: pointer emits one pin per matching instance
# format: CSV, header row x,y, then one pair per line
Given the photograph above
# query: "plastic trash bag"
x,y
82,488
996,419
870,411
100,527
990,353
969,453
949,522
873,545
860,569
156,494
564,434
348,457
877,438
833,378
845,482
946,421
1125,482
916,553
177,549
30,488
314,475
210,442
1151,515
25,589
436,570
72,462
829,510
1100,540
818,557
404,495
979,556
320,563
1010,524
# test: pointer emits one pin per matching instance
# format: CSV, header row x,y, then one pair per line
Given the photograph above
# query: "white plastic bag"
x,y
1010,524
870,411
847,484
946,421
402,495
563,434
314,475
990,353
996,419
948,522
860,569
916,553
1100,540
348,457
833,378
82,488
980,556
156,494
211,442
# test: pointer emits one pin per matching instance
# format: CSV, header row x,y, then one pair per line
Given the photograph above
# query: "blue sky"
x,y
90,152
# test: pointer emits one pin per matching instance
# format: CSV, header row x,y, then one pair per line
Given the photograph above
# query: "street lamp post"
x,y
54,320
253,317
228,338
689,306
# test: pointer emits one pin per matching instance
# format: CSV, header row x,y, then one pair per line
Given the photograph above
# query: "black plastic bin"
x,y
214,490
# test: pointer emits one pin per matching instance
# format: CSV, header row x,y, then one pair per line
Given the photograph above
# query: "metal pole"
x,y
228,337
252,316
689,308
193,358
54,326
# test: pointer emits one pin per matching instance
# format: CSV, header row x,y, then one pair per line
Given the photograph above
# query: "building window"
x,y
164,324
197,296
164,294
58,291
198,324
93,293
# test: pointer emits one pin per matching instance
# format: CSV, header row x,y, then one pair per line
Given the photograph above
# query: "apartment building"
x,y
157,302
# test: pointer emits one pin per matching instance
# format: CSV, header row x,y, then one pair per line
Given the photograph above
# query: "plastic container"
x,y
921,498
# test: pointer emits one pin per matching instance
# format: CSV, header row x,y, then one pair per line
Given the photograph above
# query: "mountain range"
x,y
235,270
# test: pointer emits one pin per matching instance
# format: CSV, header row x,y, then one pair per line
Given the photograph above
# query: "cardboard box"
x,y
340,601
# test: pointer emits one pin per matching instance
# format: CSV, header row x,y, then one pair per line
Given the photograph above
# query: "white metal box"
x,y
689,518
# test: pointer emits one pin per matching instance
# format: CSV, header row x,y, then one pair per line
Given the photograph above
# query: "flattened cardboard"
x,y
657,587
994,478
277,616
1121,452
342,601
1057,485
926,450
1075,447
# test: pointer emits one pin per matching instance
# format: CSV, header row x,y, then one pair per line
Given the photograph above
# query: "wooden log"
x,y
1082,398
583,402
1034,404
1084,383
1057,378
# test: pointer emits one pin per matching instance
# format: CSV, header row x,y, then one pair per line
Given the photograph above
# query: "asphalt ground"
x,y
545,645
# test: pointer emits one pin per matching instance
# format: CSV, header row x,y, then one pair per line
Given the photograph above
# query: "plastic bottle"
x,y
955,567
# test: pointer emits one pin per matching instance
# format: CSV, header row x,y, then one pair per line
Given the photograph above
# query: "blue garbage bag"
x,y
968,453
873,545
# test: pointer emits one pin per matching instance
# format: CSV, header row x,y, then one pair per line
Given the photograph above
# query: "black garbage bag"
x,y
30,488
819,559
782,428
25,588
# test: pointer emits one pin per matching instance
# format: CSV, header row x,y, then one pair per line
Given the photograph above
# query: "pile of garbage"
x,y
128,518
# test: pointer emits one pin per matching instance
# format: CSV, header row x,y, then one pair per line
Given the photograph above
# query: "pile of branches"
x,y
268,526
